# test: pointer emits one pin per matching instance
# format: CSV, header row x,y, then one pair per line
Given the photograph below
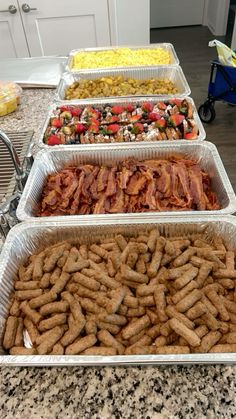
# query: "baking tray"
x,y
50,161
25,238
117,101
173,73
34,71
166,46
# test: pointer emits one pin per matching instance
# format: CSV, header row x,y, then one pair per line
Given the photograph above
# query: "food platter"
x,y
27,237
166,47
156,207
174,74
53,161
136,104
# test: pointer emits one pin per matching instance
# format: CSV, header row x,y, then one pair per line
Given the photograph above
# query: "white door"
x,y
12,38
58,26
167,13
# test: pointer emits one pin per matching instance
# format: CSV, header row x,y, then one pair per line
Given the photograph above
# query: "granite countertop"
x,y
31,113
124,392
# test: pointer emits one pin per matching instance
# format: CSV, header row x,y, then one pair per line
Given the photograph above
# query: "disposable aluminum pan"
x,y
31,236
113,102
166,46
51,161
173,73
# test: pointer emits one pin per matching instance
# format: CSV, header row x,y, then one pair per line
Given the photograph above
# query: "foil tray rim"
x,y
165,45
139,99
229,209
125,360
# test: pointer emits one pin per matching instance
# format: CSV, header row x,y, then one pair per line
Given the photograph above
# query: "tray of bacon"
x,y
173,177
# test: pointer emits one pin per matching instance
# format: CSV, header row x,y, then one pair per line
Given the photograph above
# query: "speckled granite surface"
x,y
135,392
31,113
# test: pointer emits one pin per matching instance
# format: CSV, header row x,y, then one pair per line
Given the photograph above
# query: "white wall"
x,y
167,13
216,16
130,22
233,42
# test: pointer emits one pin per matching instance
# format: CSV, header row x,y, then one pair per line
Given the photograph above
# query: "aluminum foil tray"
x,y
34,71
50,161
25,238
173,73
117,101
165,46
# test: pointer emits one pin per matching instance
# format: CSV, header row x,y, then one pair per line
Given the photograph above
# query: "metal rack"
x,y
15,163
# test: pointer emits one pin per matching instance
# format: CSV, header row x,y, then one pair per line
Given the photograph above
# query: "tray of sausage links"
x,y
121,56
116,292
182,178
125,82
139,121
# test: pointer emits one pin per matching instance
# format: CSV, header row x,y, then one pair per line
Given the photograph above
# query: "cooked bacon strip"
x,y
124,177
184,182
50,199
88,181
111,182
136,184
174,184
196,187
77,194
164,181
99,207
102,179
119,202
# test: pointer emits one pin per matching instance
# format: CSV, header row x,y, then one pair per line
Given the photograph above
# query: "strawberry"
x,y
76,111
113,128
147,107
95,113
92,113
129,107
154,116
135,118
114,119
177,102
175,120
190,136
54,140
93,121
65,108
161,124
137,128
94,128
55,122
80,128
162,106
117,109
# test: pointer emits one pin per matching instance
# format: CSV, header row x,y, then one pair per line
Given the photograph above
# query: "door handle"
x,y
11,9
26,8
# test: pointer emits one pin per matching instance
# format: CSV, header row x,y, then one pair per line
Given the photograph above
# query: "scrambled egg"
x,y
121,57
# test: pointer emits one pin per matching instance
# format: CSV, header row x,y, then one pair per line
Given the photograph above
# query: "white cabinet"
x,y
12,38
54,27
42,27
58,26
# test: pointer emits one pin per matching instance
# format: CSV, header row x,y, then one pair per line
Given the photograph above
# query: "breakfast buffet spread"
x,y
126,253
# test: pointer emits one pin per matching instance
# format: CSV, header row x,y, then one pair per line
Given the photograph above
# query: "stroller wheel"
x,y
207,113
